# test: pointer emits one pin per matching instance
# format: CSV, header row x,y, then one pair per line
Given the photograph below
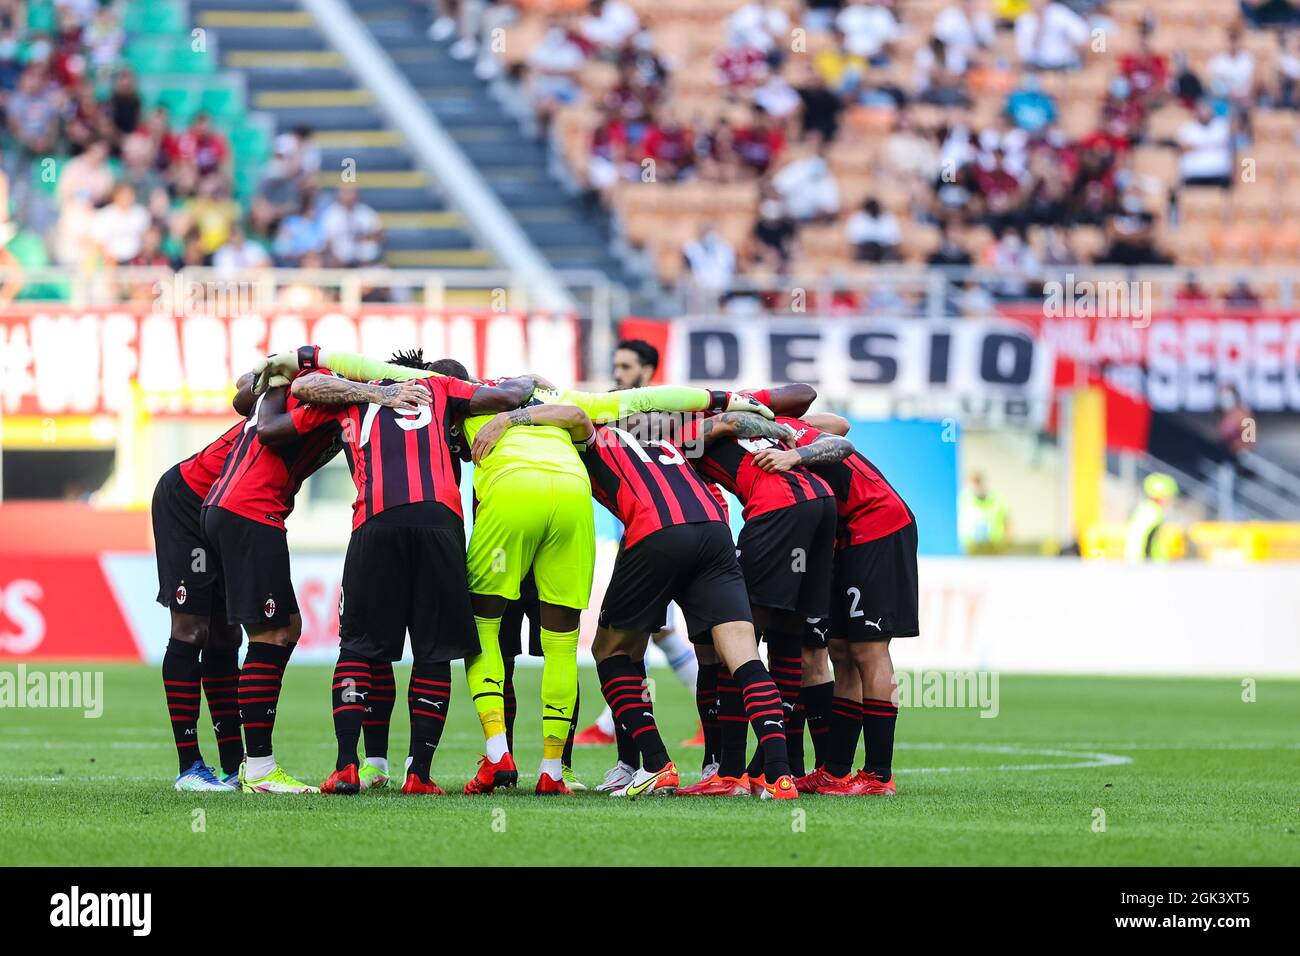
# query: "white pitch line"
x,y
1088,758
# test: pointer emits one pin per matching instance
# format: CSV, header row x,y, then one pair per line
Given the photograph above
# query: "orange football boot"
x,y
782,788
415,785
717,786
490,775
345,782
756,785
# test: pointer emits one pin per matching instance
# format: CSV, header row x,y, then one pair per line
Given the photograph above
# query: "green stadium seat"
x,y
251,145
150,55
185,59
155,17
41,17
223,101
182,102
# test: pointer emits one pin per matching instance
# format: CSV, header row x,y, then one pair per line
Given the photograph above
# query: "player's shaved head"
x,y
451,368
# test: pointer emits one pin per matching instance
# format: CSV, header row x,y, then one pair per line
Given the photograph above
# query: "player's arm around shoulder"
x,y
319,388
504,395
737,424
823,449
571,418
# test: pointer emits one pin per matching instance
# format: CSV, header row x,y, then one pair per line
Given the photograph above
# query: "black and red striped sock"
x,y
879,720
733,727
260,681
221,688
511,704
785,663
378,715
181,675
706,703
622,682
429,699
846,726
816,702
762,703
349,691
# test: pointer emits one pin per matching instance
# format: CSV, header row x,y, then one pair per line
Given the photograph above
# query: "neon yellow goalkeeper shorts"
x,y
535,519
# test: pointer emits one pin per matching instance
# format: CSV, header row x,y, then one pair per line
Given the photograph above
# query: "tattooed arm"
x,y
742,425
569,417
332,390
823,450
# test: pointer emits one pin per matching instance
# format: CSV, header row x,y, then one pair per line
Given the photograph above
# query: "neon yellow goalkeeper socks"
x,y
559,689
485,673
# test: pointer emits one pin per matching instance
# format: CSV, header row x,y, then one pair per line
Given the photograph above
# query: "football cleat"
x,y
780,789
231,780
345,782
617,777
809,782
548,786
756,785
593,736
490,775
372,777
571,780
834,786
717,786
277,781
697,740
415,785
660,783
201,778
862,784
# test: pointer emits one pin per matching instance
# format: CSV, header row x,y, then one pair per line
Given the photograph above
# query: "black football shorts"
x,y
876,595
252,560
188,579
787,556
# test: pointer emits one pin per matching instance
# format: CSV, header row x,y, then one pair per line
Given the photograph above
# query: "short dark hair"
x,y
412,358
647,353
451,368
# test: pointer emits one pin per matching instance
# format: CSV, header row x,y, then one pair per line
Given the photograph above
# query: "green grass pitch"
x,y
1097,771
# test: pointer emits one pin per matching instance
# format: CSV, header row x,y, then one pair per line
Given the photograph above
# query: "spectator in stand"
x,y
760,143
1131,233
87,178
819,15
280,193
119,227
1241,295
554,65
778,99
201,145
1051,36
1271,13
32,112
1146,70
869,29
609,24
873,233
1001,193
299,152
1187,86
1015,262
938,74
763,26
950,251
1206,146
85,120
192,253
299,234
211,211
808,188
821,108
1029,107
965,26
669,144
124,107
1057,250
1007,12
1232,72
1233,423
239,255
151,249
711,260
138,167
103,39
1288,70
1191,292
353,231
741,67
775,233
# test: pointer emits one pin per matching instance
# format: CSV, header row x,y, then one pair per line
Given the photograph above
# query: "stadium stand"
x,y
817,139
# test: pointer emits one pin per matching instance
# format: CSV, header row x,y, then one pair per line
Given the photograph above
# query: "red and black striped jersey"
x,y
730,463
202,469
646,485
869,507
259,482
402,458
